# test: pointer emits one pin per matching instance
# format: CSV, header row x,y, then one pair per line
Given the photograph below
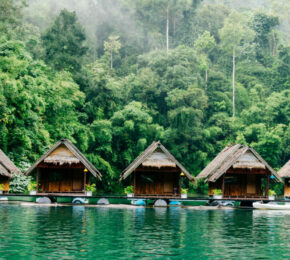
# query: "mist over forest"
x,y
115,75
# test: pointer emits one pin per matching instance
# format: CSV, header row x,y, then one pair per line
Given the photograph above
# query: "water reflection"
x,y
80,232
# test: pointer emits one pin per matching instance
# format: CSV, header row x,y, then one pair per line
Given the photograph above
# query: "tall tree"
x,y
10,15
235,35
204,45
263,26
64,42
113,45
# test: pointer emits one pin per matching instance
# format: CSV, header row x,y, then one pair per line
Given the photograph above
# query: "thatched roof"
x,y
285,171
7,167
155,156
65,153
236,156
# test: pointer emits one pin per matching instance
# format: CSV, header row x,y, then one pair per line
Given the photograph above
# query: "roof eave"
x,y
149,150
76,153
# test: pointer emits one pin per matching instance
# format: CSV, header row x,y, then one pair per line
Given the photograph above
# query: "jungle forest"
x,y
115,75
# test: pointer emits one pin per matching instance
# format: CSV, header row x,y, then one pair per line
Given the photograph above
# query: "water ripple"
x,y
175,233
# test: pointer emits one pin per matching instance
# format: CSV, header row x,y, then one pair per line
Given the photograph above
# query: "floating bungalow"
x,y
156,173
284,173
63,169
239,172
7,171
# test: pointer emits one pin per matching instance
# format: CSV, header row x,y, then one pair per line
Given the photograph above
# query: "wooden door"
x,y
168,183
78,181
53,186
251,184
66,182
234,185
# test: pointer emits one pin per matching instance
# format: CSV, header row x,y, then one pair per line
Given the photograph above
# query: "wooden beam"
x,y
85,181
268,181
134,181
223,185
37,179
63,166
179,182
247,171
157,170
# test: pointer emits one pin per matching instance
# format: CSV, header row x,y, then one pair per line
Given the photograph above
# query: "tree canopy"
x,y
113,76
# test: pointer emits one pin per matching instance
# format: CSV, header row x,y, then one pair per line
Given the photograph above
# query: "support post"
x,y
85,181
268,181
37,179
223,186
179,182
134,182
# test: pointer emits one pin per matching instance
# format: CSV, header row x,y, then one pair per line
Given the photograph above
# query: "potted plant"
x,y
1,188
184,193
129,190
90,189
272,194
217,194
32,187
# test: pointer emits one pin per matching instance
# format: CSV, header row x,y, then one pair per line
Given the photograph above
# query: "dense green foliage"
x,y
114,95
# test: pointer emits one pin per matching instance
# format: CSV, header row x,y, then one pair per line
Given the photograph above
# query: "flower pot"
x,y
218,197
89,193
184,196
32,192
271,197
130,195
1,191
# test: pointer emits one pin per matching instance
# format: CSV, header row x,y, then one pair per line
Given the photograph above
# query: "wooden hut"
x,y
239,172
156,173
284,173
63,169
7,170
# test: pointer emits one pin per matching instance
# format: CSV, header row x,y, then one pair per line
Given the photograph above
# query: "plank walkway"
x,y
81,195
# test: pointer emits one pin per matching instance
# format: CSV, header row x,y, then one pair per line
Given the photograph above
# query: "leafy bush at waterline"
x,y
19,183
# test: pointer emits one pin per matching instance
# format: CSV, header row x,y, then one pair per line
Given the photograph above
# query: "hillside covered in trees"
x,y
115,75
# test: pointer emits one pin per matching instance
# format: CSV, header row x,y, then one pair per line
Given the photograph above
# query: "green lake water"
x,y
35,232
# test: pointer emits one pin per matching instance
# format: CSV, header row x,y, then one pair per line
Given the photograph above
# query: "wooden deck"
x,y
245,198
154,196
59,194
145,197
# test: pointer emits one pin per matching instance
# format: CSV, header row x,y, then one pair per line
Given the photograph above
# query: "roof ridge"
x,y
226,158
147,152
74,150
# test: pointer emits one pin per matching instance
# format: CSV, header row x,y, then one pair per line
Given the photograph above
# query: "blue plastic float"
x,y
174,203
140,203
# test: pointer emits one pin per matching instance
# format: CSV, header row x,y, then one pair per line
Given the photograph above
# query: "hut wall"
x,y
239,185
248,185
287,187
214,186
61,180
157,183
5,181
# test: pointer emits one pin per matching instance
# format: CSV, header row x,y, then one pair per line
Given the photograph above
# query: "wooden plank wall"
x,y
214,185
5,181
245,185
156,183
61,180
287,187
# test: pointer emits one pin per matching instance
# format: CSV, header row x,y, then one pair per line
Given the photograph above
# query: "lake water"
x,y
35,232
